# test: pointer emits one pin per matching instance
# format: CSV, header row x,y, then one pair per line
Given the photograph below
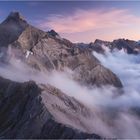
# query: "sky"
x,y
80,21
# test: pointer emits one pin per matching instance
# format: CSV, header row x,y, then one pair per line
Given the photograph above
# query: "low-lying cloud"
x,y
127,67
117,117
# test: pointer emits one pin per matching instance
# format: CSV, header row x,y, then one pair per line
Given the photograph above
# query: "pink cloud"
x,y
86,20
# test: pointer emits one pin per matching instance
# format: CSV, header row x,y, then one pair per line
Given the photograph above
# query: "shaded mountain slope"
x,y
29,111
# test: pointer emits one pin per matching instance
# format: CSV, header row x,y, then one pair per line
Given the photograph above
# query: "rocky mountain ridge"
x,y
47,52
24,114
125,45
30,110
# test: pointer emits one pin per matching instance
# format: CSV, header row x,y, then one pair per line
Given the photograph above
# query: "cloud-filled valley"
x,y
105,101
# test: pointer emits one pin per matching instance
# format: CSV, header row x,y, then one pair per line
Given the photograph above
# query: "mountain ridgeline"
x,y
124,45
31,110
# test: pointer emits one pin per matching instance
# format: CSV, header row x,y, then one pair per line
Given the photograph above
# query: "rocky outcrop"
x,y
127,45
99,46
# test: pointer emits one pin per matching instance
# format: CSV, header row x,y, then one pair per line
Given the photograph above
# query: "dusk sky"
x,y
81,21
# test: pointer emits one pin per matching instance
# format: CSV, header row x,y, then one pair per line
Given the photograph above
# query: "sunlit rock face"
x,y
45,51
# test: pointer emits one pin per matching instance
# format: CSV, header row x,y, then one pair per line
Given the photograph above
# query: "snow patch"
x,y
28,53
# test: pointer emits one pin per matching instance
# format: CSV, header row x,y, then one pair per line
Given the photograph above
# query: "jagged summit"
x,y
15,16
53,33
11,28
99,41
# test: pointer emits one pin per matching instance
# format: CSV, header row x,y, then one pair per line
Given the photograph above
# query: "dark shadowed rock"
x,y
127,45
26,113
11,28
53,33
63,132
99,45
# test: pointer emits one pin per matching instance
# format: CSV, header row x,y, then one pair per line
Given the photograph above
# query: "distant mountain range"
x,y
125,45
24,113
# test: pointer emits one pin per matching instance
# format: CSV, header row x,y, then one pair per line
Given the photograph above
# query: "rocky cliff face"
x,y
48,51
28,110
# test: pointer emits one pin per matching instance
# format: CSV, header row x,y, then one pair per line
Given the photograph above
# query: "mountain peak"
x,y
53,33
15,16
11,28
